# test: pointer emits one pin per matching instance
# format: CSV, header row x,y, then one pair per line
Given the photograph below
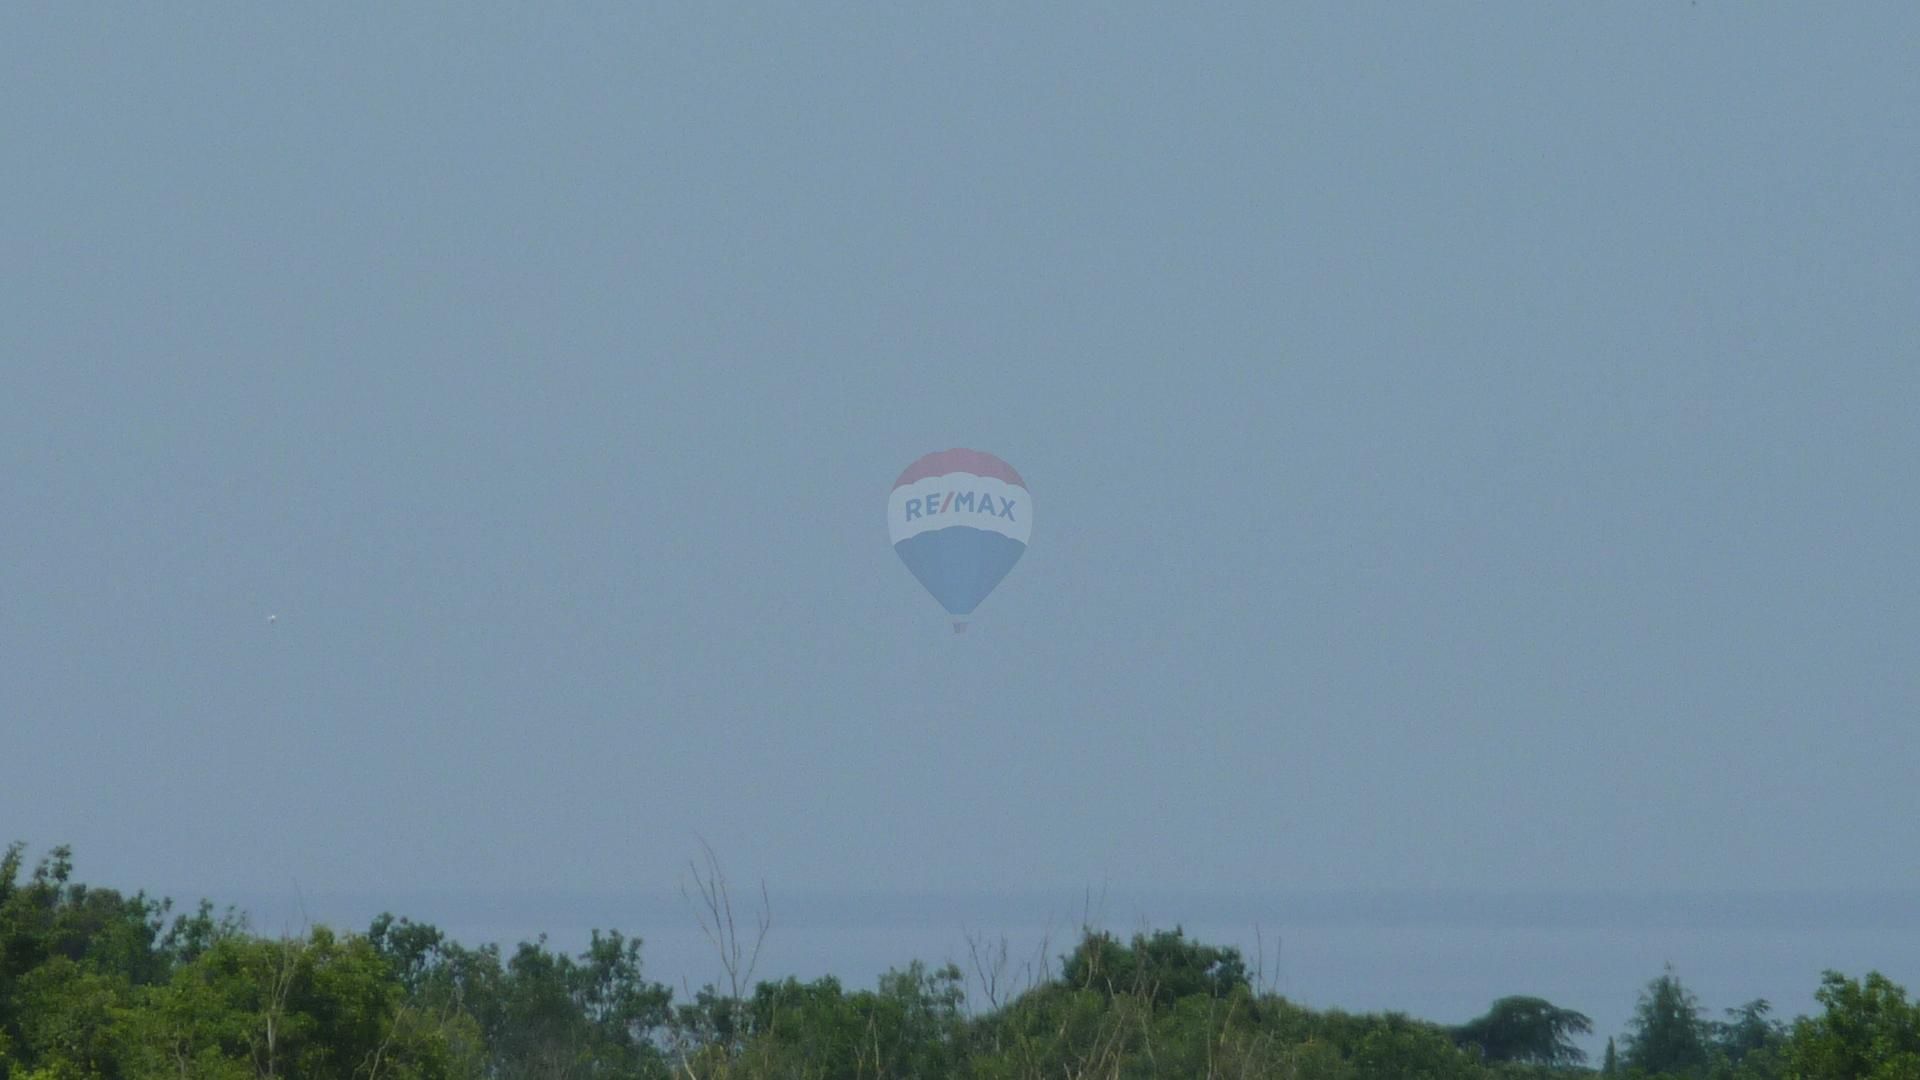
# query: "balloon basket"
x,y
959,626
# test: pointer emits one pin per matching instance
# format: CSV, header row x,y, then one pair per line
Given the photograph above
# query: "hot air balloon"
x,y
959,519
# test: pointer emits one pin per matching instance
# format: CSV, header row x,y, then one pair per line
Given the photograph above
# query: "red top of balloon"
x,y
942,462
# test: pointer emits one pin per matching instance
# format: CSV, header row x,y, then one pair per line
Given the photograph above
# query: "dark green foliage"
x,y
99,986
549,1014
1869,1031
69,956
540,1012
1526,1030
1750,1041
913,1025
1164,966
1669,1030
1402,1048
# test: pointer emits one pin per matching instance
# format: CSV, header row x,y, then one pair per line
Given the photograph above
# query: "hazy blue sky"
x,y
1473,446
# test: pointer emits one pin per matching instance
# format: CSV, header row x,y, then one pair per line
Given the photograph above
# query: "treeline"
x,y
98,985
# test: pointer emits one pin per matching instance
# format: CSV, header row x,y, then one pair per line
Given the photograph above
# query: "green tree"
x,y
189,1027
67,1014
1398,1049
1164,966
543,1013
191,936
319,1007
911,1026
625,1014
1869,1031
69,958
417,952
1063,1030
1528,1030
1749,1038
1668,1033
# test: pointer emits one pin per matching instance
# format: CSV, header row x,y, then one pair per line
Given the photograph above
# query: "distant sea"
x,y
1435,956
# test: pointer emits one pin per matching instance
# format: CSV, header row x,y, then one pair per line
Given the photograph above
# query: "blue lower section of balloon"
x,y
959,564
